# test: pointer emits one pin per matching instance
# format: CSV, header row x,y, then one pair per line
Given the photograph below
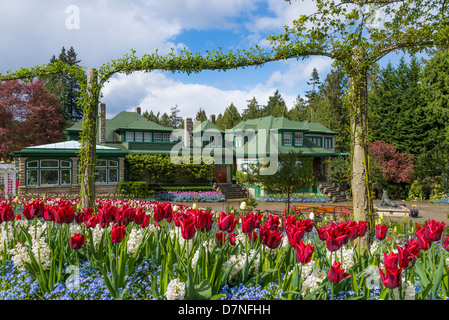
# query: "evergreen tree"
x,y
300,110
435,91
174,120
252,111
151,116
398,114
201,115
165,120
231,117
274,102
66,88
313,96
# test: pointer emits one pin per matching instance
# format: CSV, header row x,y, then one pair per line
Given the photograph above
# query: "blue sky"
x,y
99,31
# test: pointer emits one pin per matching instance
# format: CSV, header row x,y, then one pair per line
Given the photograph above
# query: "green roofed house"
x,y
53,168
268,136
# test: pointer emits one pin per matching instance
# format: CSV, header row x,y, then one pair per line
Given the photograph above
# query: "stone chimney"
x,y
102,124
139,110
188,129
212,118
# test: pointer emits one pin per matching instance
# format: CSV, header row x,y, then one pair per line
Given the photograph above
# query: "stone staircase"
x,y
332,191
232,191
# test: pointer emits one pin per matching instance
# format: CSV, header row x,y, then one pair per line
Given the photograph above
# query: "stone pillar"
x,y
74,189
121,174
102,124
21,176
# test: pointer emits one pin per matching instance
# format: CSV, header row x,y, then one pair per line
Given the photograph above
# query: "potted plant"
x,y
343,216
414,211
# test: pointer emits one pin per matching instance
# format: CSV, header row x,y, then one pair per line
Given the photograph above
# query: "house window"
x,y
238,141
106,171
298,139
158,137
138,136
317,140
129,136
147,136
328,143
287,138
166,137
50,172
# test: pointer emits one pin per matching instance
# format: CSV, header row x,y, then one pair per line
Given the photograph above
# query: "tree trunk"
x,y
360,183
89,130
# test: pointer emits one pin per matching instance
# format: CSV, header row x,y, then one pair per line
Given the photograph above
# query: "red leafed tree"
x,y
29,115
389,165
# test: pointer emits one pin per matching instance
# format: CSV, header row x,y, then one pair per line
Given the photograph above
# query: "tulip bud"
x,y
194,206
175,208
311,216
243,206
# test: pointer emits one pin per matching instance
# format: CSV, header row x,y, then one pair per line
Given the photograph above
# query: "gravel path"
x,y
427,209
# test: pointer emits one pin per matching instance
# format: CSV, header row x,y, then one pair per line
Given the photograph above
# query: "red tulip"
x,y
406,259
6,212
336,274
433,230
64,214
391,260
188,227
271,238
232,237
107,214
381,231
33,210
295,234
423,242
321,232
446,243
203,220
362,228
272,223
168,212
220,237
91,221
159,212
392,277
77,241
139,216
304,252
226,222
252,236
117,233
248,222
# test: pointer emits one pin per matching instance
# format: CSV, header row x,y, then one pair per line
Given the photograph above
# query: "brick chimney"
x,y
212,118
188,129
139,110
102,123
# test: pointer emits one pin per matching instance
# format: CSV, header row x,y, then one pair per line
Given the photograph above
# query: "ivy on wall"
x,y
160,169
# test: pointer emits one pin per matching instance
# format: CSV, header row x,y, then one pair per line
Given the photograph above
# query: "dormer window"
x,y
287,138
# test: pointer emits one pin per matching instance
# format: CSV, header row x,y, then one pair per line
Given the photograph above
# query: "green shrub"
x,y
134,189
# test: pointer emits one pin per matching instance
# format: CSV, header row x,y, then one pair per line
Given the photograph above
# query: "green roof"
x,y
283,124
206,125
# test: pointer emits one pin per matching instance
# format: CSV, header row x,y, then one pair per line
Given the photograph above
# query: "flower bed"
x,y
189,196
132,249
295,197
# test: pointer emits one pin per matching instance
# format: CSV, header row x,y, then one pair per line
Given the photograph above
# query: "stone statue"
x,y
386,202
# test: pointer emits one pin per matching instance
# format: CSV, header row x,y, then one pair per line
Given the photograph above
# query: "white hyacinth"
x,y
240,261
37,230
134,240
20,256
42,252
176,290
75,228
